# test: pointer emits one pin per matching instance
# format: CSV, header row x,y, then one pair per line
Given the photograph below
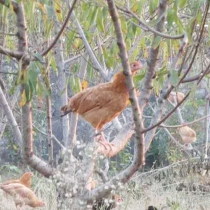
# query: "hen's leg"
x,y
101,139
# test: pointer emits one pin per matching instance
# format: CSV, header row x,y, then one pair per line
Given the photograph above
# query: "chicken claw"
x,y
101,140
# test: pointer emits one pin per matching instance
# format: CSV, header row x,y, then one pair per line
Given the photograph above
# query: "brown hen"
x,y
176,97
22,195
100,104
188,134
25,179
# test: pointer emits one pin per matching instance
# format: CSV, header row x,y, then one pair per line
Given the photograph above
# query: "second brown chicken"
x,y
25,179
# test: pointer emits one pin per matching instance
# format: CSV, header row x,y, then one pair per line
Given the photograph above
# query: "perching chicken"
x,y
176,97
102,103
25,179
188,134
22,195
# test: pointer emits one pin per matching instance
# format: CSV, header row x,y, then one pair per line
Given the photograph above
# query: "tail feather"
x,y
65,110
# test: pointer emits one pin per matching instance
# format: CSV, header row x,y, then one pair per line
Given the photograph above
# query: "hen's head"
x,y
41,203
30,174
135,66
27,176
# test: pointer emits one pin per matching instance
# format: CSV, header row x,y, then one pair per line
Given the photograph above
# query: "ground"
x,y
165,191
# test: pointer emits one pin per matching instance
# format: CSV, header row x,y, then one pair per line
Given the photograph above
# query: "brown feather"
x,y
25,179
22,195
188,134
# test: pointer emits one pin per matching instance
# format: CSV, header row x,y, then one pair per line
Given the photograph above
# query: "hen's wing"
x,y
74,102
10,181
101,97
100,106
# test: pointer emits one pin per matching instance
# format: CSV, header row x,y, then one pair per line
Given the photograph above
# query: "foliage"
x,y
44,18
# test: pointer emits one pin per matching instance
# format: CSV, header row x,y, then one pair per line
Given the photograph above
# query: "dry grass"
x,y
137,196
166,198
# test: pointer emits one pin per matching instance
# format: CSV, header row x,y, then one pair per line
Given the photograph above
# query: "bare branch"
x,y
40,165
93,58
186,123
53,136
166,90
207,126
194,78
74,116
8,112
152,60
102,175
139,154
82,54
11,53
3,72
198,42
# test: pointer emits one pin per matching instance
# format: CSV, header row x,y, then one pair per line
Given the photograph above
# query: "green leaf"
x,y
162,72
156,42
27,92
38,56
171,16
137,7
182,3
124,26
32,90
40,90
7,2
174,78
100,24
32,74
50,11
94,15
139,77
153,5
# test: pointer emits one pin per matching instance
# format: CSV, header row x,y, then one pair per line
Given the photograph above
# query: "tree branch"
x,y
61,30
186,123
139,156
27,135
198,42
10,117
156,32
11,53
152,60
93,58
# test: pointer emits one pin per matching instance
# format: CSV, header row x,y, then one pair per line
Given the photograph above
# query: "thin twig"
x,y
186,123
53,136
93,58
3,72
61,31
11,53
198,43
150,28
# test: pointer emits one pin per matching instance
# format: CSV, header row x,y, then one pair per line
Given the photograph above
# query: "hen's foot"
x,y
101,140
